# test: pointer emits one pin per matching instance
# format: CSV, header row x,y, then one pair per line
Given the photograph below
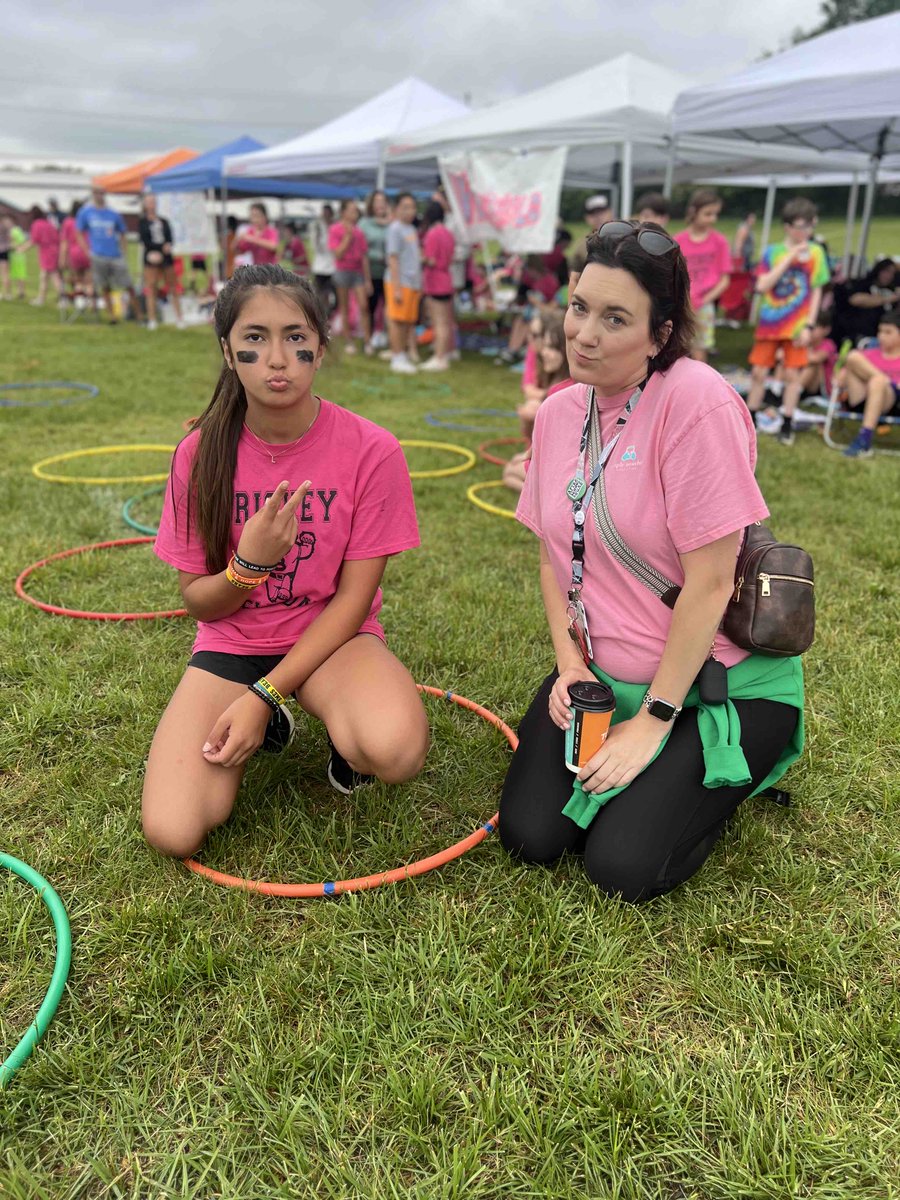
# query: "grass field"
x,y
487,1031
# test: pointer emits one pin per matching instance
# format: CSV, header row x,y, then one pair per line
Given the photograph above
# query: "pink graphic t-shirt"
x,y
45,236
258,253
707,262
360,506
681,476
438,245
357,247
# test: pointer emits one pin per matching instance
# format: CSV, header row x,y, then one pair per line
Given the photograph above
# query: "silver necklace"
x,y
287,449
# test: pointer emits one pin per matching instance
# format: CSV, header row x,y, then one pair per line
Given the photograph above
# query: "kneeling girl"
x,y
280,514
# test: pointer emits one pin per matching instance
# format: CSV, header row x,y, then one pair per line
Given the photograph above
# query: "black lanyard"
x,y
581,493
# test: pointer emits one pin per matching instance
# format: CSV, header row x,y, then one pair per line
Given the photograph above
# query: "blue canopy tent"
x,y
204,174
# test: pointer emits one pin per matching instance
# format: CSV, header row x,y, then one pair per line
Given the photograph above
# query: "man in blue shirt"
x,y
105,243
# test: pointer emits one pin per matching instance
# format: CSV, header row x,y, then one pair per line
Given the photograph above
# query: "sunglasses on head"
x,y
653,242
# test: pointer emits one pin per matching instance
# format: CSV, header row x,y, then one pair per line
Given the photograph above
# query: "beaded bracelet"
x,y
263,695
264,687
249,566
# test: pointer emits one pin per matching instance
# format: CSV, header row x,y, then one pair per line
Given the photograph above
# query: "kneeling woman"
x,y
280,514
670,450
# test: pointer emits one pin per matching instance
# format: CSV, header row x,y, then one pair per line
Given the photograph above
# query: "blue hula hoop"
x,y
90,388
439,418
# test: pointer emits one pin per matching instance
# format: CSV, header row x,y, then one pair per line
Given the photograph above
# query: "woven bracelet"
x,y
272,692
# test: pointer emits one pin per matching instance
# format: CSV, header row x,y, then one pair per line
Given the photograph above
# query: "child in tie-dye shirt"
x,y
790,278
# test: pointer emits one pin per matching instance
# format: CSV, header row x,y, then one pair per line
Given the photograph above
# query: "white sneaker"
x,y
402,366
36,303
179,324
454,356
435,364
349,347
386,356
151,325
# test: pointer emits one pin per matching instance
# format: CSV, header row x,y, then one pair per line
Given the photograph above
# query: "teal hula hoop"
x,y
22,1052
150,530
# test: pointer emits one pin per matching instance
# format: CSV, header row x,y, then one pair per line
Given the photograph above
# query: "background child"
x,y
816,377
708,258
790,278
284,580
873,383
403,281
348,244
260,240
44,235
295,250
552,372
437,284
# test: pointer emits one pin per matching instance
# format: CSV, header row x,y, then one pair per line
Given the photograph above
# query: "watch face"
x,y
661,710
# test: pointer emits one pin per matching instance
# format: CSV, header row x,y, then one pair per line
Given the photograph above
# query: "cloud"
x,y
105,78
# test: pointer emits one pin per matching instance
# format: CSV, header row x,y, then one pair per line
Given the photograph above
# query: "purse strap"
x,y
661,586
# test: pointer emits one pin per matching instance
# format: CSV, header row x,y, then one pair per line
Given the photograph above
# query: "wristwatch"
x,y
661,709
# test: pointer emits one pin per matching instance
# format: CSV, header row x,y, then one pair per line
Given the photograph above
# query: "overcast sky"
x,y
112,79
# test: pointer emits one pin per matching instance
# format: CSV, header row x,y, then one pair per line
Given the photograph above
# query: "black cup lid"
x,y
595,697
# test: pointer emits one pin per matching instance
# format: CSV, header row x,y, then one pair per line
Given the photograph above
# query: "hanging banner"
x,y
192,227
511,197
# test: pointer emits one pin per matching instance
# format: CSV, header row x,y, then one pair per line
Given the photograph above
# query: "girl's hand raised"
x,y
271,532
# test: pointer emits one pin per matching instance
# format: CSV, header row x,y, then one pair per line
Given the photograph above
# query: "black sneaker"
x,y
786,434
279,732
341,775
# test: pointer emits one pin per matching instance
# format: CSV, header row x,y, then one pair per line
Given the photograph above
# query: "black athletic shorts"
x,y
238,668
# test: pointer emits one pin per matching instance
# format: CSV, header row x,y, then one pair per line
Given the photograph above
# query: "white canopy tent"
x,y
836,94
350,150
617,112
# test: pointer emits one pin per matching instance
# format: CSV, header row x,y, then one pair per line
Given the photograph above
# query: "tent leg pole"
x,y
670,170
852,203
627,197
381,173
866,220
765,237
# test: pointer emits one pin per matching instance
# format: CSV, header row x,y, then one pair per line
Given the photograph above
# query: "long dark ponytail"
x,y
210,492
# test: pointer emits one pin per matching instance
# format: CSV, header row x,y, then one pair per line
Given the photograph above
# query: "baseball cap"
x,y
596,203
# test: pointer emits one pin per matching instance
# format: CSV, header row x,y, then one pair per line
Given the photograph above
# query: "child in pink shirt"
x,y
708,258
45,236
260,240
438,245
873,383
352,276
281,512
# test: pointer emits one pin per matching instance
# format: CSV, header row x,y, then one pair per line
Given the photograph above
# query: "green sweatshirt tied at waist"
x,y
756,678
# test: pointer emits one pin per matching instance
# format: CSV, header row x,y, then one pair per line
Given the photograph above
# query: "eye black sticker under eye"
x,y
306,356
247,356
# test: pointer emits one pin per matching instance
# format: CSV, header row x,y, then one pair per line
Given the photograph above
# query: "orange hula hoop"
x,y
398,874
504,441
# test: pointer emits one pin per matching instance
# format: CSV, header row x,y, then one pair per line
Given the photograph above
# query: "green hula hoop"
x,y
150,530
46,1012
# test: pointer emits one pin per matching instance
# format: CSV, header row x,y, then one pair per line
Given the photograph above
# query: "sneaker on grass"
x,y
279,732
341,775
401,365
861,446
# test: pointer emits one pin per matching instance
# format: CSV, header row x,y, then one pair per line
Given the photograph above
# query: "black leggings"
x,y
377,294
656,833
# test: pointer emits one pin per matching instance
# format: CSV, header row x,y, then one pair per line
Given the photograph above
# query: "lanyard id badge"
x,y
580,492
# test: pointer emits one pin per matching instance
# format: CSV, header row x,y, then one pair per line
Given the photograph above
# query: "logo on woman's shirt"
x,y
628,458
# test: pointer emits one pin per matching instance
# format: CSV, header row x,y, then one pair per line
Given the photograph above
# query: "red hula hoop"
x,y
366,882
503,441
58,611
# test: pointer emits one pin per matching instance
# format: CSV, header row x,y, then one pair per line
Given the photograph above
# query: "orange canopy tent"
x,y
130,180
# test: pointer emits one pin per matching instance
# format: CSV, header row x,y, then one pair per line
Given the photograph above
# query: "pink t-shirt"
x,y
530,368
45,236
360,506
76,260
707,262
438,244
357,248
681,476
257,253
887,366
830,350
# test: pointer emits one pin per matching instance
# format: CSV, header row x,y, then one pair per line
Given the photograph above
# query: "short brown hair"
x,y
664,277
700,198
656,202
799,209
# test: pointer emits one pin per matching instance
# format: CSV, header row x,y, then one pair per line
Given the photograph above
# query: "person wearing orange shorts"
x,y
790,278
403,281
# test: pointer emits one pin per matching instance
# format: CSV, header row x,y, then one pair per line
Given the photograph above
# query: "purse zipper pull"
x,y
766,584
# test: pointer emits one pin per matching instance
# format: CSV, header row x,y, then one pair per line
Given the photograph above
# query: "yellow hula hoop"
x,y
440,472
472,493
38,468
